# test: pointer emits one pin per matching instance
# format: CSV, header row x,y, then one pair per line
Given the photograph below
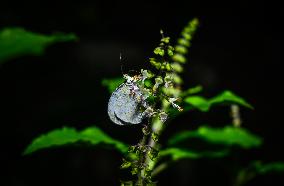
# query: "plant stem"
x,y
159,169
236,116
157,127
140,175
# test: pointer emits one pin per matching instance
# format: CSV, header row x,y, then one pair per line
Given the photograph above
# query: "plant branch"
x,y
146,158
159,169
236,116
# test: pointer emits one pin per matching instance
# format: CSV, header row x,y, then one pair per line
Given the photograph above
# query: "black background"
x,y
236,48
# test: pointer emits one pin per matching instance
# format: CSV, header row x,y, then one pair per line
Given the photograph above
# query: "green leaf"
x,y
198,102
179,58
178,153
194,90
176,67
165,39
112,84
183,42
66,135
170,52
181,49
262,168
159,51
158,65
227,96
125,164
228,136
15,42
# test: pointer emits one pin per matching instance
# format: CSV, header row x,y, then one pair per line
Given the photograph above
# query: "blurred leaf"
x,y
66,135
198,102
228,96
15,42
262,168
178,153
225,136
112,84
257,168
193,90
204,104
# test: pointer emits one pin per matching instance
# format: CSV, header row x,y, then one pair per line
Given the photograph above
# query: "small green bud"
x,y
125,164
179,58
183,42
168,77
177,67
168,81
168,67
146,130
177,79
155,136
186,35
181,49
165,40
171,48
159,80
153,153
194,23
172,91
152,59
132,148
156,64
134,170
170,52
146,74
159,51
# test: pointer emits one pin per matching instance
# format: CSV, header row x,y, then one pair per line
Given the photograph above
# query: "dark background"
x,y
235,48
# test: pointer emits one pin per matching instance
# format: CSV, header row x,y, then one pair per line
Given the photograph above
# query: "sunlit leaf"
x,y
66,135
225,97
225,136
15,42
112,84
228,96
179,153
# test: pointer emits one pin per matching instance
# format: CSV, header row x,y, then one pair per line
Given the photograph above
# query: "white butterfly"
x,y
125,103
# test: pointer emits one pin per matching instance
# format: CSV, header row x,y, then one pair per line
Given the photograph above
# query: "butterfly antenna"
x,y
121,65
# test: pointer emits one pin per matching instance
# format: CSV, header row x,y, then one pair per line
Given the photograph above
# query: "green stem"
x,y
140,175
159,169
236,116
157,127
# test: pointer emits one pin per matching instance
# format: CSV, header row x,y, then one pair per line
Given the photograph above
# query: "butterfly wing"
x,y
124,108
